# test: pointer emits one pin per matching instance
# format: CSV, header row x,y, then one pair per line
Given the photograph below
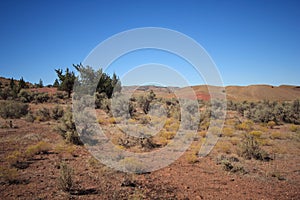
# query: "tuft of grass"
x,y
256,134
41,147
65,180
224,147
293,128
235,141
271,124
9,175
246,125
202,133
279,135
132,165
13,158
167,134
230,164
227,132
191,158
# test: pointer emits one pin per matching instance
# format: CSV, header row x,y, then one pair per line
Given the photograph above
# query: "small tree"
x,y
56,83
12,84
41,84
22,84
66,80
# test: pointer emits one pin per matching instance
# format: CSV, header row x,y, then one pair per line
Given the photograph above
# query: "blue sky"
x,y
251,42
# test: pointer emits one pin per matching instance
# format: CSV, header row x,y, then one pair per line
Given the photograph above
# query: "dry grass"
x,y
245,126
224,147
235,141
279,135
256,134
293,128
227,132
41,147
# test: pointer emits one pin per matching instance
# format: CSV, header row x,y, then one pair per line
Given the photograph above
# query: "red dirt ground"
x,y
181,180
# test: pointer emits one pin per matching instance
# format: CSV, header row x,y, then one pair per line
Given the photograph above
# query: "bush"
x,y
41,97
250,148
65,180
246,125
25,96
43,114
132,165
229,164
57,112
12,109
67,128
30,117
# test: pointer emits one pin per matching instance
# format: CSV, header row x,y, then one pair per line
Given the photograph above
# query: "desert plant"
x,y
30,117
12,109
41,97
9,175
67,128
246,125
132,165
256,134
271,124
25,96
13,158
65,180
227,132
224,147
43,114
293,128
250,148
230,164
279,135
41,147
191,158
57,112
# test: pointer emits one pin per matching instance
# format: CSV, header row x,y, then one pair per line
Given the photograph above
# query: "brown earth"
x,y
202,179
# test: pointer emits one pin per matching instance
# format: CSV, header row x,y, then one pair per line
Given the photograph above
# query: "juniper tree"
x,y
66,80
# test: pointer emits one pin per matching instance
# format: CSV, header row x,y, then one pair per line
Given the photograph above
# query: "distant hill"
x,y
236,93
5,82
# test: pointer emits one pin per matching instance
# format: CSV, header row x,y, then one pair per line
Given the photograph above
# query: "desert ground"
x,y
41,158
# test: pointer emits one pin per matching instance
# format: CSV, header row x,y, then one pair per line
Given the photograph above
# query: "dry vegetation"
x,y
42,156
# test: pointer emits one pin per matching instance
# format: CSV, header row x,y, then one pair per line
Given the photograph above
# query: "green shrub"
x,y
67,128
12,109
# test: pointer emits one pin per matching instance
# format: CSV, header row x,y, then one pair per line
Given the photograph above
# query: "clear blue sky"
x,y
251,42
